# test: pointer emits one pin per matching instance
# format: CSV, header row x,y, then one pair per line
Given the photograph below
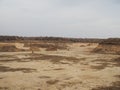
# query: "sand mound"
x,y
9,48
109,46
48,46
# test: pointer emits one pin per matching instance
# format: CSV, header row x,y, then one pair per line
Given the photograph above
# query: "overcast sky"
x,y
62,18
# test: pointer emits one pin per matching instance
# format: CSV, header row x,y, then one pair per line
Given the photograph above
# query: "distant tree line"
x,y
10,38
50,39
111,41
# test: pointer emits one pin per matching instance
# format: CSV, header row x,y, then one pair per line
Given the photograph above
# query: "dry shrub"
x,y
108,49
55,47
82,45
110,46
97,50
51,82
89,44
114,86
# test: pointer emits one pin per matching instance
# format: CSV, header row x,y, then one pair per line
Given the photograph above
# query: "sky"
x,y
60,18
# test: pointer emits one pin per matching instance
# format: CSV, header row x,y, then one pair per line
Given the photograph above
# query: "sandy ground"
x,y
73,69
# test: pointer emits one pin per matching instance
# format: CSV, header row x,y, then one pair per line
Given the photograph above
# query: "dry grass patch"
x,y
70,83
116,61
118,76
4,88
100,67
6,56
108,46
44,77
114,86
53,58
52,82
10,48
59,69
103,63
9,69
1,77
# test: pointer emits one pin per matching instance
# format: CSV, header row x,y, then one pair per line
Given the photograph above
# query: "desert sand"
x,y
74,68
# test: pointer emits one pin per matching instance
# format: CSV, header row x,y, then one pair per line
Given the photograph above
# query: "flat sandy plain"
x,y
73,69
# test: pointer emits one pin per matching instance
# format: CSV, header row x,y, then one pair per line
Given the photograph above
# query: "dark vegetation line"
x,y
111,41
60,39
54,39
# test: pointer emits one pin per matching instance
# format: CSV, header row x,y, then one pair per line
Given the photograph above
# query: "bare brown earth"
x,y
63,66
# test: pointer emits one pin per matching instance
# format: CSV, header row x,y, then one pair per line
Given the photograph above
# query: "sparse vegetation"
x,y
10,48
9,69
110,46
114,86
100,67
58,64
52,82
